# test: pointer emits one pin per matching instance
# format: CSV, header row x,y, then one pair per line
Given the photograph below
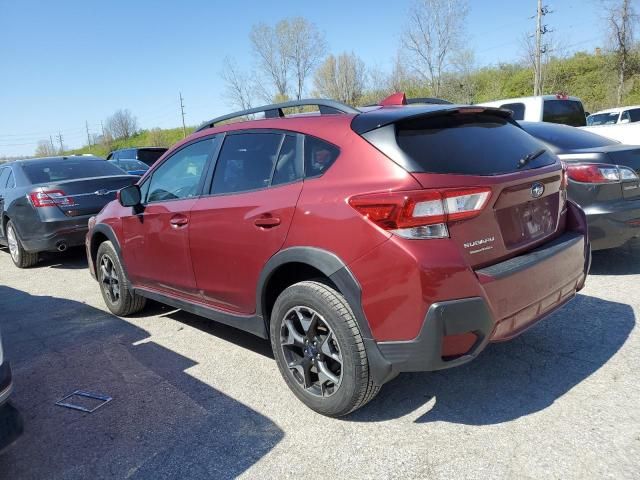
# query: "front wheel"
x,y
116,290
319,349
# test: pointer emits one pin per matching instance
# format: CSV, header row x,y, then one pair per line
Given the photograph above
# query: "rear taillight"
x,y
50,198
599,173
421,213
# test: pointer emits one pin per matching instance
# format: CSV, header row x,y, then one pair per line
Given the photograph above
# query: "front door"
x,y
156,234
245,220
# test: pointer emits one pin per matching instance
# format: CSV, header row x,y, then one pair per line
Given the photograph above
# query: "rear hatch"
x,y
478,149
75,185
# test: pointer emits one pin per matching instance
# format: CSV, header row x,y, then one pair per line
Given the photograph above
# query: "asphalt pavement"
x,y
192,399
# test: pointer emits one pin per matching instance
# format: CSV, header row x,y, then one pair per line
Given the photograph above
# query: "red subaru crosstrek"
x,y
361,243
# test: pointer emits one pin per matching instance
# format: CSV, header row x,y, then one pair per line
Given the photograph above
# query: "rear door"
x,y
245,219
156,235
4,177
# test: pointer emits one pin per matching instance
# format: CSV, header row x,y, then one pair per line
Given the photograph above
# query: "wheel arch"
x,y
101,233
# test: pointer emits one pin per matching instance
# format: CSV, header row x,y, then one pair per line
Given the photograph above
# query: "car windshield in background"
x,y
603,119
567,112
133,165
564,137
150,156
67,169
468,144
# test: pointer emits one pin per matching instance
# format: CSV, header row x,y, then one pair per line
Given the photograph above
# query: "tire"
x,y
114,285
21,258
317,306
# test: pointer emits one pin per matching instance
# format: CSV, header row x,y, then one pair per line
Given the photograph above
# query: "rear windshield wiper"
x,y
530,156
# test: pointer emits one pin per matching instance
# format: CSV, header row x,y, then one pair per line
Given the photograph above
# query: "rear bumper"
x,y
70,233
6,384
613,225
518,293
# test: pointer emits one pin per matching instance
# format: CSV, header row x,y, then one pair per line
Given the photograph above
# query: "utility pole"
x,y
102,128
540,48
184,129
86,124
53,149
60,140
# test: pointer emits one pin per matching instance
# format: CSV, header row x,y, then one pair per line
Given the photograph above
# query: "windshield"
x,y
603,118
564,137
133,165
67,169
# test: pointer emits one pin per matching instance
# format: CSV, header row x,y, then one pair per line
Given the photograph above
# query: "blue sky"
x,y
65,62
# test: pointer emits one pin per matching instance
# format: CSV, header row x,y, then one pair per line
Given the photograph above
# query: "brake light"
x,y
599,173
421,213
50,198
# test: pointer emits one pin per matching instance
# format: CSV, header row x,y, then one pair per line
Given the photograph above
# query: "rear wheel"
x,y
319,349
116,290
21,258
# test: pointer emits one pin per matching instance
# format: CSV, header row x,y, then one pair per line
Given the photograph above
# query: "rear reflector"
x,y
599,173
50,198
421,213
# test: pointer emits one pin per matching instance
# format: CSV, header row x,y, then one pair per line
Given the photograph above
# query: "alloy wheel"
x,y
109,279
12,240
311,351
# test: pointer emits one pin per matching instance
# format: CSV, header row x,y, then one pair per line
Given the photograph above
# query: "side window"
x,y
516,108
246,162
4,175
288,169
634,114
179,176
625,117
318,156
10,181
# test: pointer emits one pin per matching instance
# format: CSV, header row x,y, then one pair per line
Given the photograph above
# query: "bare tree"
x,y
342,78
621,19
435,29
45,149
122,124
305,48
464,66
240,88
287,54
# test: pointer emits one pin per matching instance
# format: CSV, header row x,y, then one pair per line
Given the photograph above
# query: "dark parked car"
x,y
148,155
5,377
132,167
45,203
362,244
603,178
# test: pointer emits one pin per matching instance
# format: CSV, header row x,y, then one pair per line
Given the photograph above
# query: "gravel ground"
x,y
193,399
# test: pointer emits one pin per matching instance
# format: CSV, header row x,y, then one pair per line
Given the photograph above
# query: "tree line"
x,y
290,59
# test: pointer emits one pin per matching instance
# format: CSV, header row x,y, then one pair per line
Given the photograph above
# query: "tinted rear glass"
x,y
568,112
149,156
468,144
60,170
566,138
516,108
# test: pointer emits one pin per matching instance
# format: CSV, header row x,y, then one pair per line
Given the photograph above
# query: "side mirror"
x,y
129,196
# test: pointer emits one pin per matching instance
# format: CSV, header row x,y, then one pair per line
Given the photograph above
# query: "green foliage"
x,y
145,138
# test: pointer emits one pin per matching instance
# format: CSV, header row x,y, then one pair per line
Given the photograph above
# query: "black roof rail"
x,y
275,110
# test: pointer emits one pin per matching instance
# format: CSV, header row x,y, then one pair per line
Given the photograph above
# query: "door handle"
x,y
178,221
267,222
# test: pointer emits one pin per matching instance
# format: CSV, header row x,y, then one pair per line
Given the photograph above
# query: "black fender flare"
x,y
108,232
338,272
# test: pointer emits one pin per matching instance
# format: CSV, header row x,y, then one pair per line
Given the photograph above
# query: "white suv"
x,y
612,116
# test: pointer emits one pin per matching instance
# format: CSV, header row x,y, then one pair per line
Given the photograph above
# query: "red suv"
x,y
361,243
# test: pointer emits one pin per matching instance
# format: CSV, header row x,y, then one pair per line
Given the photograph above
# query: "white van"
x,y
544,108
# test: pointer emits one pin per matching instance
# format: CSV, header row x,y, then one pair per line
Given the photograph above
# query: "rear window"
x,y
566,138
149,156
468,144
61,170
567,112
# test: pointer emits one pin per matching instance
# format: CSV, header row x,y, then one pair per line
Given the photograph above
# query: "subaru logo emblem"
x,y
537,189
